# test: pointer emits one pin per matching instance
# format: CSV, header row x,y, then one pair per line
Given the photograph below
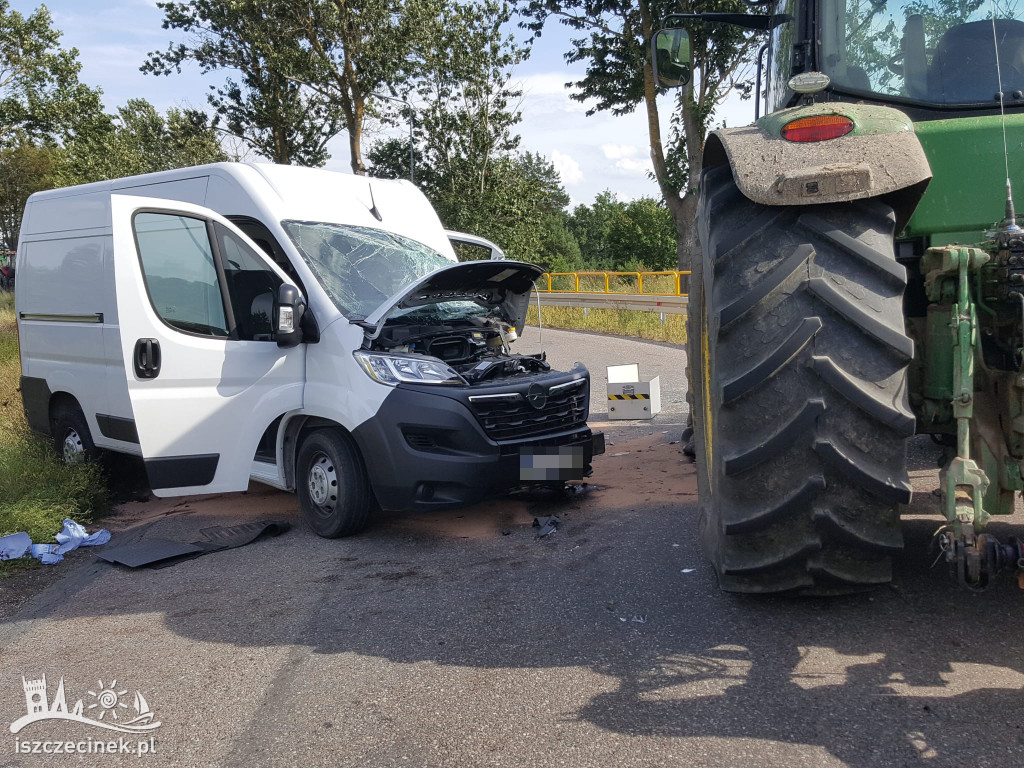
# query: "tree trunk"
x,y
683,209
355,140
281,153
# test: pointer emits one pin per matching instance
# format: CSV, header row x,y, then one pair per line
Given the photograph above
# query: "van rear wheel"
x,y
71,437
334,491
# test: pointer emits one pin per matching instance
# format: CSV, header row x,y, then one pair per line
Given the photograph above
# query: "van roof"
x,y
293,177
265,190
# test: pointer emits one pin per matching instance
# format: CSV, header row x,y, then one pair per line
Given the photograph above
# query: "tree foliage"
x,y
614,44
467,106
348,52
41,98
24,169
633,236
467,159
139,140
265,107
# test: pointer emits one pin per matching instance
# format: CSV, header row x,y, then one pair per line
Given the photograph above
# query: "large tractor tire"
x,y
799,369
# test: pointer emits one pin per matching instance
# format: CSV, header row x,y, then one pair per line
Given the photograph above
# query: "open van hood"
x,y
503,286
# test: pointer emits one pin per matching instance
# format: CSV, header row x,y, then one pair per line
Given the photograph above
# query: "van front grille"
x,y
506,419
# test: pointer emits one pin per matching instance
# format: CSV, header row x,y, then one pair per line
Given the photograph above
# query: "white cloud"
x,y
567,167
634,165
547,83
546,94
619,151
628,158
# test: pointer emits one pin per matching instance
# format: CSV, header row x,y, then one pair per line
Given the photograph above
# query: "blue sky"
x,y
591,153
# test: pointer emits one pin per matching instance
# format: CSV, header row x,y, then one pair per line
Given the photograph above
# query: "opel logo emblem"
x,y
537,396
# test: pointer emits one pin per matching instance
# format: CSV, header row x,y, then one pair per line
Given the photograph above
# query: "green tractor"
x,y
860,280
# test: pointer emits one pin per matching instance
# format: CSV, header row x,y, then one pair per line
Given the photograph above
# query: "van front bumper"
x,y
426,449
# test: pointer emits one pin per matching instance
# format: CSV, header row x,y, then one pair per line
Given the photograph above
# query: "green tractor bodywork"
x,y
894,74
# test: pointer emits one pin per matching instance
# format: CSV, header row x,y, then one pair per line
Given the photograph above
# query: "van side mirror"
x,y
288,323
670,56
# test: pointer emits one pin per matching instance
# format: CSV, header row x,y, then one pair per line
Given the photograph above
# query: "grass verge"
x,y
37,491
638,324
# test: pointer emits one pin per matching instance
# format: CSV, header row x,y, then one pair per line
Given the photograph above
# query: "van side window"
x,y
180,272
259,234
252,287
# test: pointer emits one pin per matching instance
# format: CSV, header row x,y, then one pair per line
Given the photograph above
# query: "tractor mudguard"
x,y
880,157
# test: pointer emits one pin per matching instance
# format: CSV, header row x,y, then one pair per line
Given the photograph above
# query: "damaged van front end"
x,y
466,416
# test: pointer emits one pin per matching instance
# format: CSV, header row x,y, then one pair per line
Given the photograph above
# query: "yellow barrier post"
x,y
675,275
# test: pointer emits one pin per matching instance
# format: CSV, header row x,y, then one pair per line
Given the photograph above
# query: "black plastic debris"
x,y
148,551
161,553
548,525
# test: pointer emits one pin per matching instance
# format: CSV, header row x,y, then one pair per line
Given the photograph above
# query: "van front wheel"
x,y
334,491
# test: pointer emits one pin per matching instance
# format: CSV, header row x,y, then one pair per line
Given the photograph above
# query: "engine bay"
x,y
477,347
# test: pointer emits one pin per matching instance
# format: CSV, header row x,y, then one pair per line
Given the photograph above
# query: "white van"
x,y
306,329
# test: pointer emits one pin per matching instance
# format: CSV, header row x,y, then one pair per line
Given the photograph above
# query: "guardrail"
x,y
663,283
666,305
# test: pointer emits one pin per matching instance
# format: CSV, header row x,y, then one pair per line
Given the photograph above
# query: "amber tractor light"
x,y
819,128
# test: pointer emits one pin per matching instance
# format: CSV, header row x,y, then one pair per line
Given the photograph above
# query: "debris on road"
x,y
161,553
688,570
71,537
548,525
14,546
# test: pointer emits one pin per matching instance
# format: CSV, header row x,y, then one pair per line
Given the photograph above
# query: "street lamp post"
x,y
412,124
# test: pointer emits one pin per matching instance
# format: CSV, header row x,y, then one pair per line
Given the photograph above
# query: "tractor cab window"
x,y
940,52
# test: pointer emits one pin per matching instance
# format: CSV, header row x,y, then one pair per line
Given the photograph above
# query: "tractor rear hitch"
x,y
976,560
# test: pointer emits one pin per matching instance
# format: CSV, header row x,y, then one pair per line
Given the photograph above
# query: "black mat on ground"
x,y
161,553
147,552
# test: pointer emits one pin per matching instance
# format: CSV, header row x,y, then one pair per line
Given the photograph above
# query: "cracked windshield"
x,y
361,267
939,52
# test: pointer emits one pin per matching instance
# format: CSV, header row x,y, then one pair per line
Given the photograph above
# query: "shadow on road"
x,y
920,670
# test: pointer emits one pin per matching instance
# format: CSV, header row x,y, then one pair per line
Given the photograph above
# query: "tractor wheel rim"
x,y
323,482
74,450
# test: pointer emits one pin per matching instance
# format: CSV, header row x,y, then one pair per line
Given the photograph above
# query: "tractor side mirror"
x,y
670,56
288,323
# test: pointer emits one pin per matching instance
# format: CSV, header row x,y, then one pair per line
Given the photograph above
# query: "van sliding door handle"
x,y
147,358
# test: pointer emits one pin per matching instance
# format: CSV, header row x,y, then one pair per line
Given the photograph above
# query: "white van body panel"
x,y
68,317
213,396
336,387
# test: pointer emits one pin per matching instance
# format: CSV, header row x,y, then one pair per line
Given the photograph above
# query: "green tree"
x,y
615,46
265,107
519,208
23,170
350,51
634,236
41,98
558,250
590,226
461,82
139,140
641,237
466,159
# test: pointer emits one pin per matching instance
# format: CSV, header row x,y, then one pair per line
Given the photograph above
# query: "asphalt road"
x,y
460,639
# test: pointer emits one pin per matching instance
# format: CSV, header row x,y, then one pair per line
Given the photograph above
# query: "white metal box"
x,y
629,397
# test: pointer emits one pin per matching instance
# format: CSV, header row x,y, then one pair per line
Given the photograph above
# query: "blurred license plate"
x,y
552,463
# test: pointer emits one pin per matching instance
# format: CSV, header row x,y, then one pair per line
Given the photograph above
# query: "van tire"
x,y
334,491
71,437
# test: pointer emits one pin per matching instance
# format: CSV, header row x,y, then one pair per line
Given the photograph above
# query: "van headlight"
x,y
414,369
